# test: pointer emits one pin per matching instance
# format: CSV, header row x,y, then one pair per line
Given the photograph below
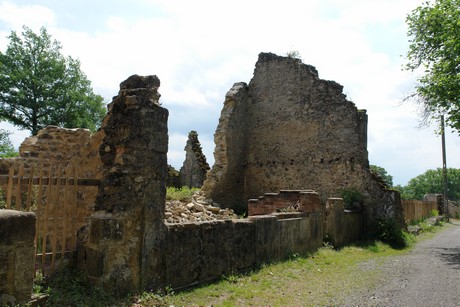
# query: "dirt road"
x,y
428,276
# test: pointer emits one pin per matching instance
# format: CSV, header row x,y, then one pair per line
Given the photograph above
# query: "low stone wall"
x,y
285,201
341,226
198,252
17,254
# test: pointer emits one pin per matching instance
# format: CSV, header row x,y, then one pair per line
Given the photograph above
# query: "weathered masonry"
x,y
194,168
289,129
17,232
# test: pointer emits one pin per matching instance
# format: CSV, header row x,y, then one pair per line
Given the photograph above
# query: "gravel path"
x,y
429,275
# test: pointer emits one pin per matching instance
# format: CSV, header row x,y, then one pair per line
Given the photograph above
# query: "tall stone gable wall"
x,y
288,129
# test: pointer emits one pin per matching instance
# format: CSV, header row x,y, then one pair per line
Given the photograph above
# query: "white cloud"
x,y
34,16
200,48
176,153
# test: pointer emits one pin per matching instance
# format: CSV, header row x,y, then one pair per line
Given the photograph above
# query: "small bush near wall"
x,y
388,231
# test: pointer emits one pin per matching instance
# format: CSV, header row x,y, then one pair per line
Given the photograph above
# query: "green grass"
x,y
182,194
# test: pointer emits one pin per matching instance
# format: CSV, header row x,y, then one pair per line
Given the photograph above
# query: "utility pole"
x,y
444,168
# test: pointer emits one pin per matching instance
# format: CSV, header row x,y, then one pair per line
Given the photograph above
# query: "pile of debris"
x,y
197,209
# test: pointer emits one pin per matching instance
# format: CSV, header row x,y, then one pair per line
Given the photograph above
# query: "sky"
x,y
200,48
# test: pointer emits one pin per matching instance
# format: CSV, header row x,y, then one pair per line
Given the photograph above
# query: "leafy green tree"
x,y
6,147
403,192
383,174
431,182
434,31
40,87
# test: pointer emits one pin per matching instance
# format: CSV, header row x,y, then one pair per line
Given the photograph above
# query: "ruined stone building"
x,y
285,130
289,129
194,169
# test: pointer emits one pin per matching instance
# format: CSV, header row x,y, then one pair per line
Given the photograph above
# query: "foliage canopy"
x,y
434,31
6,147
40,87
431,182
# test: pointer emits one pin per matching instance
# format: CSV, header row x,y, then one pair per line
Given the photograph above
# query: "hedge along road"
x,y
429,275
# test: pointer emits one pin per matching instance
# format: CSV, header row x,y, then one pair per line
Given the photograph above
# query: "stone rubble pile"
x,y
197,209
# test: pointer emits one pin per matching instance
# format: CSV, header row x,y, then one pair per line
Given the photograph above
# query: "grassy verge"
x,y
316,279
321,278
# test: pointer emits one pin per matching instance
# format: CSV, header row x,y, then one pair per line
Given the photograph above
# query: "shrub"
x,y
390,232
434,212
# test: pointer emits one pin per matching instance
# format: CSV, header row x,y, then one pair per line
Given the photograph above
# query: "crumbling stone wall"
x,y
289,129
17,255
61,147
194,169
226,183
123,252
